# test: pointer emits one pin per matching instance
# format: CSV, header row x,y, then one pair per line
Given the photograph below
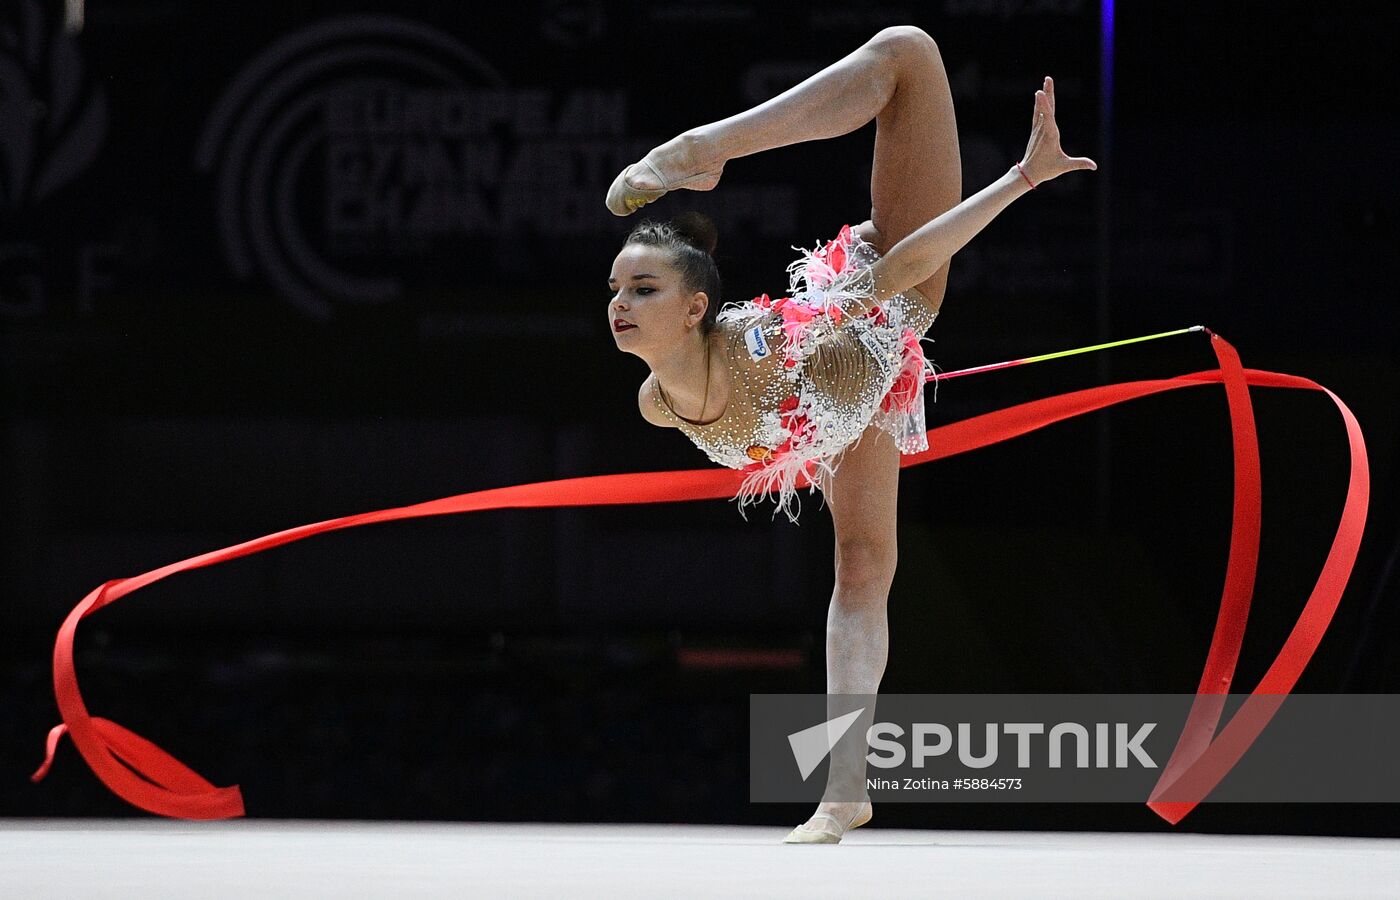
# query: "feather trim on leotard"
x,y
826,286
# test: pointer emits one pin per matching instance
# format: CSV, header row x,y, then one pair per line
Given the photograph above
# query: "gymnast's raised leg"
x,y
896,78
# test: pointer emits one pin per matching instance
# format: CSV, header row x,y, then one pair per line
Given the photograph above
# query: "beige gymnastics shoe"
x,y
823,828
625,198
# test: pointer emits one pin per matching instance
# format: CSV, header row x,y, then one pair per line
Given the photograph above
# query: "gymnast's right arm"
x,y
919,255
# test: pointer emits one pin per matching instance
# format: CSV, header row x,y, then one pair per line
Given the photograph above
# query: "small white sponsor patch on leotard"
x,y
881,353
754,340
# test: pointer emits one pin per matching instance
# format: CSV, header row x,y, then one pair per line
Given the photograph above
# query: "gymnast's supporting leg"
x,y
863,499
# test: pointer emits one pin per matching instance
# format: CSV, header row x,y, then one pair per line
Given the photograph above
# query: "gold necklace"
x,y
703,403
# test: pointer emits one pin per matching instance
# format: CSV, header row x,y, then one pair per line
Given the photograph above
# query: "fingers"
x,y
1043,125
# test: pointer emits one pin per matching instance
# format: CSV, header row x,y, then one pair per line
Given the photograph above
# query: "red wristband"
x,y
1025,176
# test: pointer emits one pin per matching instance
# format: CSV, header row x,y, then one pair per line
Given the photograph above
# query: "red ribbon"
x,y
144,775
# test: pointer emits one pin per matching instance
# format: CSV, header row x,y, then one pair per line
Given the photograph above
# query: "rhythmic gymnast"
x,y
825,384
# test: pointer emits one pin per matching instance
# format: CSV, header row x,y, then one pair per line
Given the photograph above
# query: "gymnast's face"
x,y
651,310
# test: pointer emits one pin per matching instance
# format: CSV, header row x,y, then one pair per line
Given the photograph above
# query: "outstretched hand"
x,y
1044,159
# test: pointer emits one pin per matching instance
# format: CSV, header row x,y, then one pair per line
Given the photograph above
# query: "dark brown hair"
x,y
690,238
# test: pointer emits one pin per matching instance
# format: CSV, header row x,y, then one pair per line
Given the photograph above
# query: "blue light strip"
x,y
1104,318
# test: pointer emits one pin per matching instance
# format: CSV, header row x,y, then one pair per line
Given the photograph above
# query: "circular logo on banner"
x,y
346,148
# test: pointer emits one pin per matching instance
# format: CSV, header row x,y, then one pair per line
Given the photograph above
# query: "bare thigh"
x,y
917,172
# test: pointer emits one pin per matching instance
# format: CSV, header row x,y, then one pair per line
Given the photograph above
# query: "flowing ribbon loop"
x,y
144,775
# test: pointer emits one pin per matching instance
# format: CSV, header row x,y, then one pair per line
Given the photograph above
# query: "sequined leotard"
x,y
812,370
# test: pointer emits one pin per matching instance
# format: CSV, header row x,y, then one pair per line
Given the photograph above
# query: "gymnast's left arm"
x,y
923,252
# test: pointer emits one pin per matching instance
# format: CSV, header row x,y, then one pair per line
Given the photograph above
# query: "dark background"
x,y
228,311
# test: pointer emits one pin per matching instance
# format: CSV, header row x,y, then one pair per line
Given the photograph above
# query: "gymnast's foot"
x,y
830,823
686,161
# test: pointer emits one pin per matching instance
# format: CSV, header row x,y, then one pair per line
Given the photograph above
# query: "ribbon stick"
x,y
144,775
978,370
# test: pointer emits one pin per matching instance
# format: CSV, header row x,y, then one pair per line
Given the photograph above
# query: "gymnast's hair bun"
x,y
697,229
